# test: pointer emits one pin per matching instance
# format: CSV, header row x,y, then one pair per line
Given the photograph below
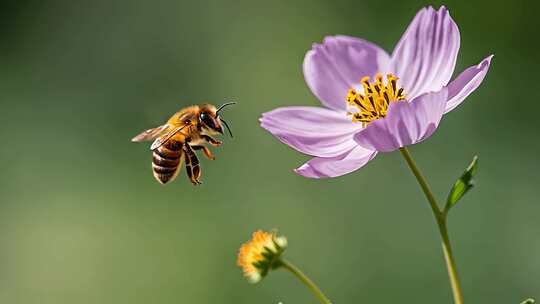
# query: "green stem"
x,y
440,217
302,277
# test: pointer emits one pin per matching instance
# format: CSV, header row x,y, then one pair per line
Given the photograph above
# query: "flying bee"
x,y
177,140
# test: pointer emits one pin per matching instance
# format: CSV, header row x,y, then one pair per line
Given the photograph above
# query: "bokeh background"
x,y
83,221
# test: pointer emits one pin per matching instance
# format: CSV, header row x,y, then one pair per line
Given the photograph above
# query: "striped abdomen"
x,y
166,161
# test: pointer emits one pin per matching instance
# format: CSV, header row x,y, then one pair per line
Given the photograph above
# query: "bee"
x,y
185,132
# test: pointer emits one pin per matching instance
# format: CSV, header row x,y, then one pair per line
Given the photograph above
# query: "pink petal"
x,y
312,130
407,123
332,67
320,167
425,57
466,83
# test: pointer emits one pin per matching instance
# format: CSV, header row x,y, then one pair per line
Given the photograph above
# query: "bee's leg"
x,y
206,151
212,141
193,168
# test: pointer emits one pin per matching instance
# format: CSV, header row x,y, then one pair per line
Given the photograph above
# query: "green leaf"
x,y
462,185
528,301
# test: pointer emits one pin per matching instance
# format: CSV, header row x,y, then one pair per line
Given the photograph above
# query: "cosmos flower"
x,y
261,254
375,102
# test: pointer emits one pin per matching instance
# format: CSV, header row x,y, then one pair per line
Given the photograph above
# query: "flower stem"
x,y
307,281
440,217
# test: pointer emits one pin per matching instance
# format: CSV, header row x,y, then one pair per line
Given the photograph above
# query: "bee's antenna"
x,y
223,106
227,126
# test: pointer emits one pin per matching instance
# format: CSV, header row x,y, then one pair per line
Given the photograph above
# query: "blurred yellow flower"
x,y
261,254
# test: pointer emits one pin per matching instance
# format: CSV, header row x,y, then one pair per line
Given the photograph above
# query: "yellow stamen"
x,y
374,103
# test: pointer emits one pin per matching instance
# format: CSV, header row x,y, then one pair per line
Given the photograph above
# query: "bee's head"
x,y
211,121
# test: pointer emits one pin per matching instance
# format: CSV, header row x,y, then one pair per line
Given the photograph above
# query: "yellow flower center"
x,y
257,256
375,100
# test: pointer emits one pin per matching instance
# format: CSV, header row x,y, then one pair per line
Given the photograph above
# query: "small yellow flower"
x,y
260,254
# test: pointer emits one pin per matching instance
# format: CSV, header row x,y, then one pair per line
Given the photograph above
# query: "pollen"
x,y
373,103
259,255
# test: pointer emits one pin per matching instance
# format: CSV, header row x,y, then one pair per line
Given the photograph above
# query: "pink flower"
x,y
374,102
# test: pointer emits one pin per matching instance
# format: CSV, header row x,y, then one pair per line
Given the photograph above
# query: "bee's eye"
x,y
207,120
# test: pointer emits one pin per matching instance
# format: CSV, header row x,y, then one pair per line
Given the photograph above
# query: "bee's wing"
x,y
151,133
163,139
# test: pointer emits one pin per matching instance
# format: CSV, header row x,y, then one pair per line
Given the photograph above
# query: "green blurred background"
x,y
83,221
